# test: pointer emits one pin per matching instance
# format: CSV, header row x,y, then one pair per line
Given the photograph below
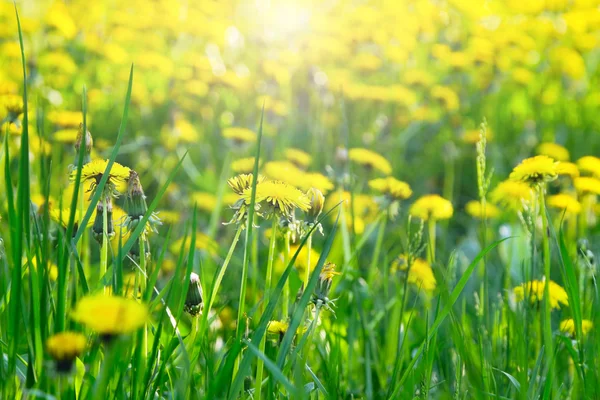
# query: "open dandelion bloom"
x,y
93,171
288,172
535,170
298,157
66,119
564,201
473,136
432,207
110,315
589,164
277,327
553,150
64,347
511,194
475,209
61,216
535,289
568,169
239,184
391,187
568,326
302,259
204,201
278,197
586,185
239,135
420,273
244,165
370,160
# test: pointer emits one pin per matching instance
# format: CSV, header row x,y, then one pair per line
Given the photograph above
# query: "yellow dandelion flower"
x,y
239,184
239,135
391,187
280,196
64,347
567,168
420,273
110,315
169,217
475,209
535,289
65,135
553,150
92,172
277,327
317,181
564,201
432,207
587,185
446,97
511,194
535,170
244,165
370,160
203,242
204,201
66,119
61,217
300,158
302,259
568,326
472,136
589,164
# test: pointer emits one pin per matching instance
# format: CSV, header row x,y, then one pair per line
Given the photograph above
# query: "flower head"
x,y
277,327
298,157
391,187
370,160
535,170
475,209
535,290
420,273
193,300
278,197
587,185
564,201
553,150
110,315
239,184
432,207
239,135
244,165
589,164
317,202
567,168
568,326
511,194
64,347
93,171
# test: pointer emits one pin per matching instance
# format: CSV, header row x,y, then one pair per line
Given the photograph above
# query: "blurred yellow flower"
x,y
475,209
420,273
391,187
432,207
239,135
511,194
300,158
64,347
370,160
110,315
567,168
244,165
564,201
553,150
589,164
587,185
568,326
535,290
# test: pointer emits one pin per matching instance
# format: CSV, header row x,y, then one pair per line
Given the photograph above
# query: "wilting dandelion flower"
x,y
64,348
109,315
391,187
432,207
568,326
193,300
564,201
535,290
370,160
535,170
553,150
475,209
277,197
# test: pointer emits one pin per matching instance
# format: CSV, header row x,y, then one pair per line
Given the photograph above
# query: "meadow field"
x,y
299,199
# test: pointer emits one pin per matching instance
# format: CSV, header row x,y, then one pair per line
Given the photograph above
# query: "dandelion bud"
x,y
89,143
136,205
193,300
324,285
64,347
97,228
317,201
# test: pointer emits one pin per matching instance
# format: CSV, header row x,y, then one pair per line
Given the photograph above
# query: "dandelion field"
x,y
299,199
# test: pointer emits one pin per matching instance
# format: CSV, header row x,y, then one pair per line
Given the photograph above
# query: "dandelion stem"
x,y
309,247
549,349
431,252
142,278
286,287
104,250
378,244
266,297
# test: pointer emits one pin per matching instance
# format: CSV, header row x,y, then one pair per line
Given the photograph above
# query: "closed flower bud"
x,y
89,143
317,200
321,296
97,228
193,301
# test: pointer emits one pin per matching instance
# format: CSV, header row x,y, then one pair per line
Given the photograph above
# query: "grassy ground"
x,y
299,200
